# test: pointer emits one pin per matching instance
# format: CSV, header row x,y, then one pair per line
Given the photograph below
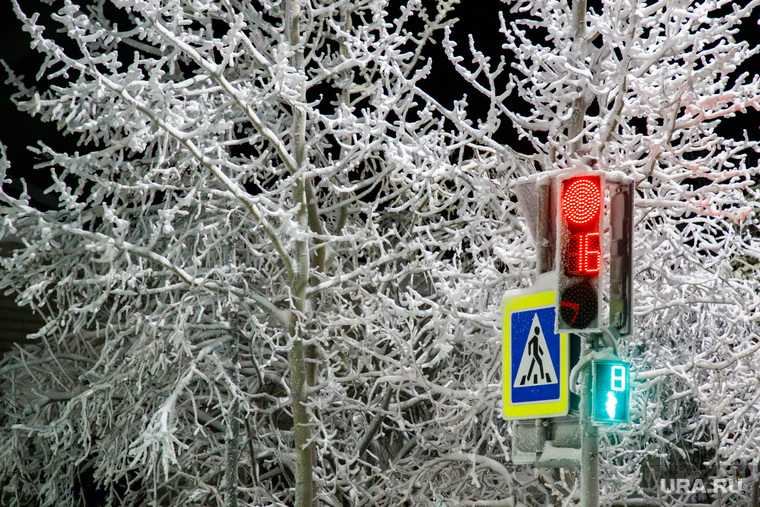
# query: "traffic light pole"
x,y
589,436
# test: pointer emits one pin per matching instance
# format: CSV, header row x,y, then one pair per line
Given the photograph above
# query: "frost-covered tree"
x,y
264,280
275,274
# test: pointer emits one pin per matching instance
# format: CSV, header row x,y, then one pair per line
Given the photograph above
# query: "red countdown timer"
x,y
580,252
581,206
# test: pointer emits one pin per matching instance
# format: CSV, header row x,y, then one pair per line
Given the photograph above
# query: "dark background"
x,y
477,18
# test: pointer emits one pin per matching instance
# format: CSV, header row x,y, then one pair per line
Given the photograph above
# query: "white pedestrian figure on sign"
x,y
535,351
536,366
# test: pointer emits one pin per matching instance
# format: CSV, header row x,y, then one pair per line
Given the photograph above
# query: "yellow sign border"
x,y
525,301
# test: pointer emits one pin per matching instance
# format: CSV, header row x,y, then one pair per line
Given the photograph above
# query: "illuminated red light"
x,y
584,255
581,207
579,238
581,200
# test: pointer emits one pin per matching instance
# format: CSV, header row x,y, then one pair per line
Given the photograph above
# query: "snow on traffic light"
x,y
579,252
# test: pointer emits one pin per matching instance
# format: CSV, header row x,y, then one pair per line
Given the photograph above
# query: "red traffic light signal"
x,y
579,252
582,200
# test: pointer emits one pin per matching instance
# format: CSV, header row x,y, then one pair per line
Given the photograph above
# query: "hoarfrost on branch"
x,y
275,274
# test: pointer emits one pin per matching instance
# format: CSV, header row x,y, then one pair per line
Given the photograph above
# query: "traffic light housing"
x,y
621,256
579,252
610,391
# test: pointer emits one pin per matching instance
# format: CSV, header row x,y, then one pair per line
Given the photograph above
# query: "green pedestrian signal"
x,y
610,392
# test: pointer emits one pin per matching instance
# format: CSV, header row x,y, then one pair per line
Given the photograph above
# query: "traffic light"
x,y
610,391
579,252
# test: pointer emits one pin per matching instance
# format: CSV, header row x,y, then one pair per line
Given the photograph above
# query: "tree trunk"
x,y
233,426
579,51
301,426
299,369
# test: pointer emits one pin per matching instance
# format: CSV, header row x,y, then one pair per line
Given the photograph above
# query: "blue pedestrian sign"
x,y
535,357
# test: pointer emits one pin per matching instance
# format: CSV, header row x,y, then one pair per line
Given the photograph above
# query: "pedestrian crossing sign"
x,y
535,362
